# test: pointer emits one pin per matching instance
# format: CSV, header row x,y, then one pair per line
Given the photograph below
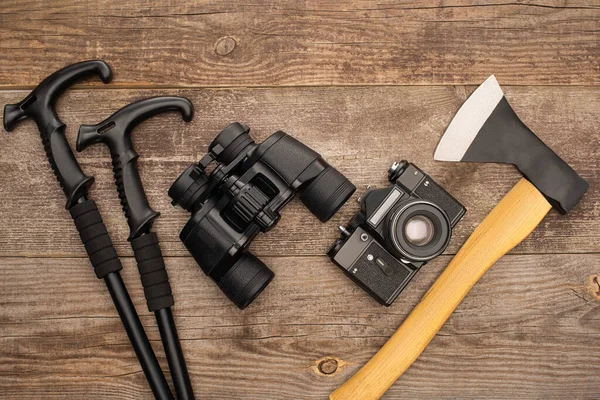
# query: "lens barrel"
x,y
245,280
188,188
327,193
435,222
233,140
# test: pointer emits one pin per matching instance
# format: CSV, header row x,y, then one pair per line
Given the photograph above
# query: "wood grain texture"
x,y
528,329
331,73
290,42
358,130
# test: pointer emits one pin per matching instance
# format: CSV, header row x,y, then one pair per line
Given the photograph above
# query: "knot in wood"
x,y
328,366
225,45
596,287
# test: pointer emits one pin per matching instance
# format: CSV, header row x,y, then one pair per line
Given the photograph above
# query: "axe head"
x,y
486,129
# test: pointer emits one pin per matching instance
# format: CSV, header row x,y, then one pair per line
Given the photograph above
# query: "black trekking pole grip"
x,y
94,236
115,132
107,265
159,299
40,105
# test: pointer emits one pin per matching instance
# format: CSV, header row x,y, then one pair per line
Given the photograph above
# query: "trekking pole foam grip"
x,y
153,272
94,236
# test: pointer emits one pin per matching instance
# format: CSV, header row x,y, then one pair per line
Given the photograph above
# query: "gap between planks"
x,y
128,86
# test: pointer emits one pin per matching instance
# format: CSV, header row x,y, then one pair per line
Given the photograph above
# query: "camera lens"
x,y
327,193
245,280
233,140
418,230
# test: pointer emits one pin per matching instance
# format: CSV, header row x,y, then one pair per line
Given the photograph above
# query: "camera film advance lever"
x,y
398,230
485,129
115,132
39,105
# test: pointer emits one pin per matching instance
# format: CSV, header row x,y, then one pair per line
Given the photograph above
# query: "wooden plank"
x,y
362,42
359,130
527,330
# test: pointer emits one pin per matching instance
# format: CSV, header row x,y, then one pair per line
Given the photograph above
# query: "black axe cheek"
x,y
115,132
505,138
39,105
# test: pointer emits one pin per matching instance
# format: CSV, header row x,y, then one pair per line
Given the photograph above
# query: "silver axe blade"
x,y
486,129
468,121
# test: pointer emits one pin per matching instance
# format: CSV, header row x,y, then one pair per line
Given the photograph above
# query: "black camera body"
x,y
243,195
398,229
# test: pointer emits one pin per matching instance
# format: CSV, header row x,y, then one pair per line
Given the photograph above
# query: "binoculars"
x,y
243,196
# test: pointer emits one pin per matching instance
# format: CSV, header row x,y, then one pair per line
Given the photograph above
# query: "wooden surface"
x,y
362,82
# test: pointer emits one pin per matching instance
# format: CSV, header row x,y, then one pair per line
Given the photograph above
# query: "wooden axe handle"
x,y
511,221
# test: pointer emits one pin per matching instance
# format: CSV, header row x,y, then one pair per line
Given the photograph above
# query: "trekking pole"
x,y
40,106
115,132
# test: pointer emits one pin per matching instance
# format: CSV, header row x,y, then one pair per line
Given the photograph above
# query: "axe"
x,y
485,129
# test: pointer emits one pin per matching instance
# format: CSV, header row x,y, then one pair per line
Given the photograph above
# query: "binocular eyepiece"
x,y
243,195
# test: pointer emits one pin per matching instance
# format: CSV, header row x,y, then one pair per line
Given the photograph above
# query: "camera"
x,y
397,231
243,195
